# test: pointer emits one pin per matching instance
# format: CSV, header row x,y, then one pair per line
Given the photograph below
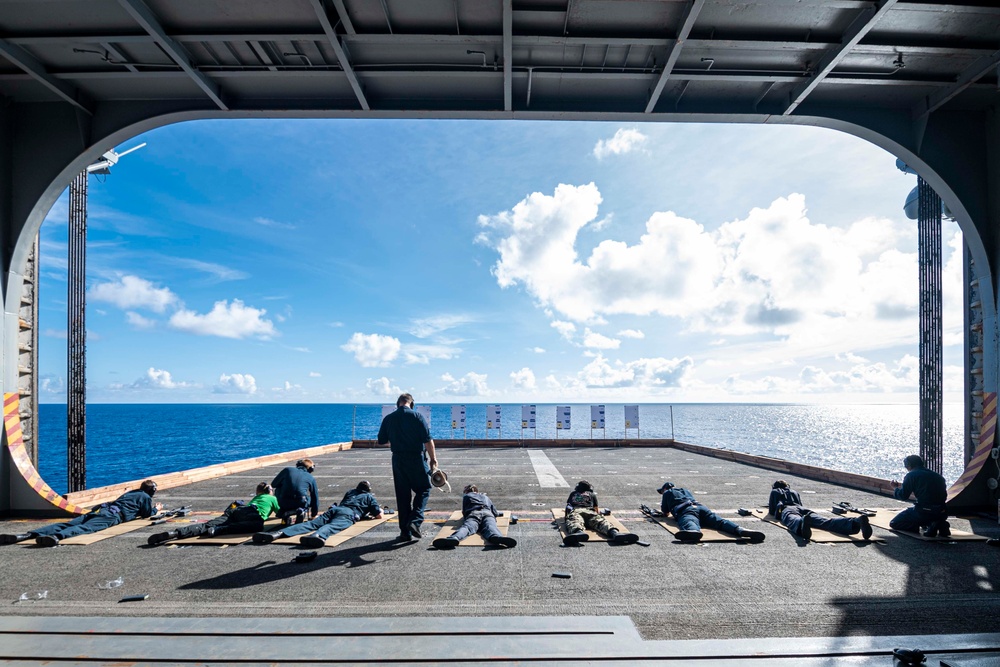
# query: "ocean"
x,y
135,441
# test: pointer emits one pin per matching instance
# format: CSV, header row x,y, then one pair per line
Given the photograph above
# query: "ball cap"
x,y
439,478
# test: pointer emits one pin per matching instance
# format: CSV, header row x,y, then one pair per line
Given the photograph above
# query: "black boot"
x,y
616,537
14,539
689,535
805,530
47,541
753,536
267,538
508,542
445,543
575,538
312,541
866,527
158,538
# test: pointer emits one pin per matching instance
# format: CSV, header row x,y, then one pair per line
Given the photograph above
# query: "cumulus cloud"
x,y
903,375
130,292
237,383
156,378
314,374
773,272
51,385
471,384
599,341
383,386
631,333
287,388
538,350
640,373
226,321
523,379
625,140
372,350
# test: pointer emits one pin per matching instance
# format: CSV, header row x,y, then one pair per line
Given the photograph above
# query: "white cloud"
x,y
903,375
538,350
52,385
237,383
225,321
641,373
631,333
625,140
314,374
137,321
565,329
133,292
422,354
774,272
288,388
523,379
599,341
372,350
382,386
159,379
428,326
471,384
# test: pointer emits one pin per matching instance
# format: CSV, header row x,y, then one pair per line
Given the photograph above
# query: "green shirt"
x,y
265,504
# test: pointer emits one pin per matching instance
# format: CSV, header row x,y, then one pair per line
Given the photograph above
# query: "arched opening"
x,y
769,315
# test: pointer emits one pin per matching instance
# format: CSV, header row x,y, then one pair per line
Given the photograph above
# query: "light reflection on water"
x,y
134,441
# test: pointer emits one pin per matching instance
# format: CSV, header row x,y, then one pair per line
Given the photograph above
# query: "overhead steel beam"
x,y
345,64
345,19
973,73
860,27
688,19
142,14
30,66
118,55
508,55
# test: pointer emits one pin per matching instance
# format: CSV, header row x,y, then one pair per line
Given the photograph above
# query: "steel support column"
x,y
931,389
76,330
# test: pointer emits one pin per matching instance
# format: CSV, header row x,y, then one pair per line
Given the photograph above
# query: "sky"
x,y
345,261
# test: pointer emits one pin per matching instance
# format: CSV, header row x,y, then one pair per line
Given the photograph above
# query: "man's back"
x,y
474,501
134,504
291,485
927,486
406,430
362,502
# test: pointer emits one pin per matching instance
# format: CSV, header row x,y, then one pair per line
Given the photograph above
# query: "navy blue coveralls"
x,y
406,431
354,506
480,517
793,514
692,515
931,492
295,489
128,506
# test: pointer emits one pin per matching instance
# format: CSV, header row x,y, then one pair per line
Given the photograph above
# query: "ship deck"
x,y
782,588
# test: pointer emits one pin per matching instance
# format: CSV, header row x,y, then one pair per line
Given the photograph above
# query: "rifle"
x,y
848,507
166,514
650,512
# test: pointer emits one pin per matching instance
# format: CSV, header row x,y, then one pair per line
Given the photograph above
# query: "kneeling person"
x,y
930,492
137,504
786,506
582,513
357,504
238,518
479,516
692,515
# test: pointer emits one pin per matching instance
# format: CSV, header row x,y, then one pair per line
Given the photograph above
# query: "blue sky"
x,y
344,261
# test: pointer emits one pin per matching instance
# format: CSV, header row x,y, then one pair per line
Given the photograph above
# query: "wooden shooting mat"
x,y
113,531
359,527
818,534
225,540
707,534
884,516
456,520
559,518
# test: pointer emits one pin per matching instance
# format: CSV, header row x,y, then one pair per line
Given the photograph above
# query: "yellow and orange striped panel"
x,y
987,435
19,455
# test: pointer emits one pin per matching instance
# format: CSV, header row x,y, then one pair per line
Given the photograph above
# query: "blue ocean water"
x,y
133,441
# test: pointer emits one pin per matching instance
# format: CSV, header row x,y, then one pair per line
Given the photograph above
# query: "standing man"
x,y
931,492
295,489
409,437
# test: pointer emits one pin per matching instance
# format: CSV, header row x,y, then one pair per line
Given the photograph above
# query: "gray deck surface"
x,y
781,588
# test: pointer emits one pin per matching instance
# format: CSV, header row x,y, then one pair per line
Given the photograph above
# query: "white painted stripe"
x,y
545,470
